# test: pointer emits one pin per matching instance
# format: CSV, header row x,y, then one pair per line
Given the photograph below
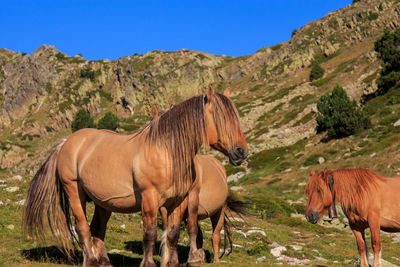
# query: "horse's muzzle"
x,y
312,217
237,156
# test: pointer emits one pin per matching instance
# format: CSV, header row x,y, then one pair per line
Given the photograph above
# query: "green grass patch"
x,y
304,120
323,81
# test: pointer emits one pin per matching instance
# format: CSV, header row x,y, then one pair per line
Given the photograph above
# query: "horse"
x,y
367,199
210,198
143,171
214,200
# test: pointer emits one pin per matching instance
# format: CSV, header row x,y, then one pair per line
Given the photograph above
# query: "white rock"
x,y
17,177
237,188
12,189
296,247
261,258
1,203
372,155
232,178
256,232
276,252
241,232
302,184
397,123
320,160
123,226
10,226
320,258
21,202
237,246
2,182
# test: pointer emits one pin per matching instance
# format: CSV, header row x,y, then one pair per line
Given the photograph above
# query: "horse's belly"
x,y
112,195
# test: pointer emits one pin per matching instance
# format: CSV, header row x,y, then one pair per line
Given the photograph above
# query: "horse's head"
x,y
320,196
223,127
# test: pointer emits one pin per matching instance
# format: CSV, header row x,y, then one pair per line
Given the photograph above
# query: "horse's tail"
x,y
233,205
41,205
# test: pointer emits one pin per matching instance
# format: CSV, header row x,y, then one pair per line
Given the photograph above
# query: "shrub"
x,y
388,48
88,73
294,32
316,72
339,115
108,121
82,119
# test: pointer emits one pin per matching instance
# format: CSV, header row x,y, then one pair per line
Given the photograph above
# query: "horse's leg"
x,y
82,226
150,201
199,239
375,239
98,229
164,218
170,236
217,221
196,256
361,245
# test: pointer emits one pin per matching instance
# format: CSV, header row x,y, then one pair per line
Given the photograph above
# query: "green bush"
x,y
89,73
108,121
339,115
294,32
316,72
82,119
388,48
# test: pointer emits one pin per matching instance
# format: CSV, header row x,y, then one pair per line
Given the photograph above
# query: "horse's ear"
x,y
312,172
154,111
210,93
170,107
227,92
330,182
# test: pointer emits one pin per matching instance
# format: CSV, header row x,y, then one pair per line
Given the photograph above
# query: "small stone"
x,y
237,246
10,226
237,188
123,226
302,184
12,189
232,178
256,232
296,247
17,178
397,123
320,258
2,182
261,258
320,160
2,203
276,252
372,155
21,202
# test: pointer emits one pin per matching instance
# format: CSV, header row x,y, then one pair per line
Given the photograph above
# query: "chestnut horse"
x,y
366,198
144,171
214,199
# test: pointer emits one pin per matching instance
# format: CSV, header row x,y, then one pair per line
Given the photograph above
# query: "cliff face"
x,y
39,93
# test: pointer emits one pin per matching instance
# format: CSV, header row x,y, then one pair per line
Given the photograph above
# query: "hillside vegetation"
x,y
276,91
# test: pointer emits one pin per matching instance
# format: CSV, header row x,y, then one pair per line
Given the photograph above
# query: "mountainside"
x,y
40,93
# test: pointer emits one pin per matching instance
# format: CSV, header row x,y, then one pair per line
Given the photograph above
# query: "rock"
x,y
237,246
256,232
232,178
372,155
397,123
261,258
10,226
241,232
276,252
21,202
320,258
12,189
17,177
320,160
123,226
302,184
296,247
237,188
2,203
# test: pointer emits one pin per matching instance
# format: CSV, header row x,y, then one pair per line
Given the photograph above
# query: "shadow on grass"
x,y
55,256
183,251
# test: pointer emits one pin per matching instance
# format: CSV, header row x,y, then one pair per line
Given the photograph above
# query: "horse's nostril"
x,y
240,151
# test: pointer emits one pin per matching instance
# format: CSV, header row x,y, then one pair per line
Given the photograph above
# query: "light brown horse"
x,y
144,171
366,198
214,199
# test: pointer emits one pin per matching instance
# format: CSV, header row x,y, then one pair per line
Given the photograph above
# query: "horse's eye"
x,y
319,191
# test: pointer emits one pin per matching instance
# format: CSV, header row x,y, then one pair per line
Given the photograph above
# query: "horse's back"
x,y
102,163
214,188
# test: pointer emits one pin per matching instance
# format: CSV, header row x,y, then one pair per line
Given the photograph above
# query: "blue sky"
x,y
111,29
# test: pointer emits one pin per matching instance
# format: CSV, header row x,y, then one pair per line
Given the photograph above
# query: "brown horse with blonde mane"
x,y
366,198
143,171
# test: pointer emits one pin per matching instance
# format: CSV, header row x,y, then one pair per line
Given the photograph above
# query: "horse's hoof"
x,y
196,258
104,262
92,263
148,264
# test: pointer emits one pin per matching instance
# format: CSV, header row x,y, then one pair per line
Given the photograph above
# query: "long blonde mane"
x,y
182,130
